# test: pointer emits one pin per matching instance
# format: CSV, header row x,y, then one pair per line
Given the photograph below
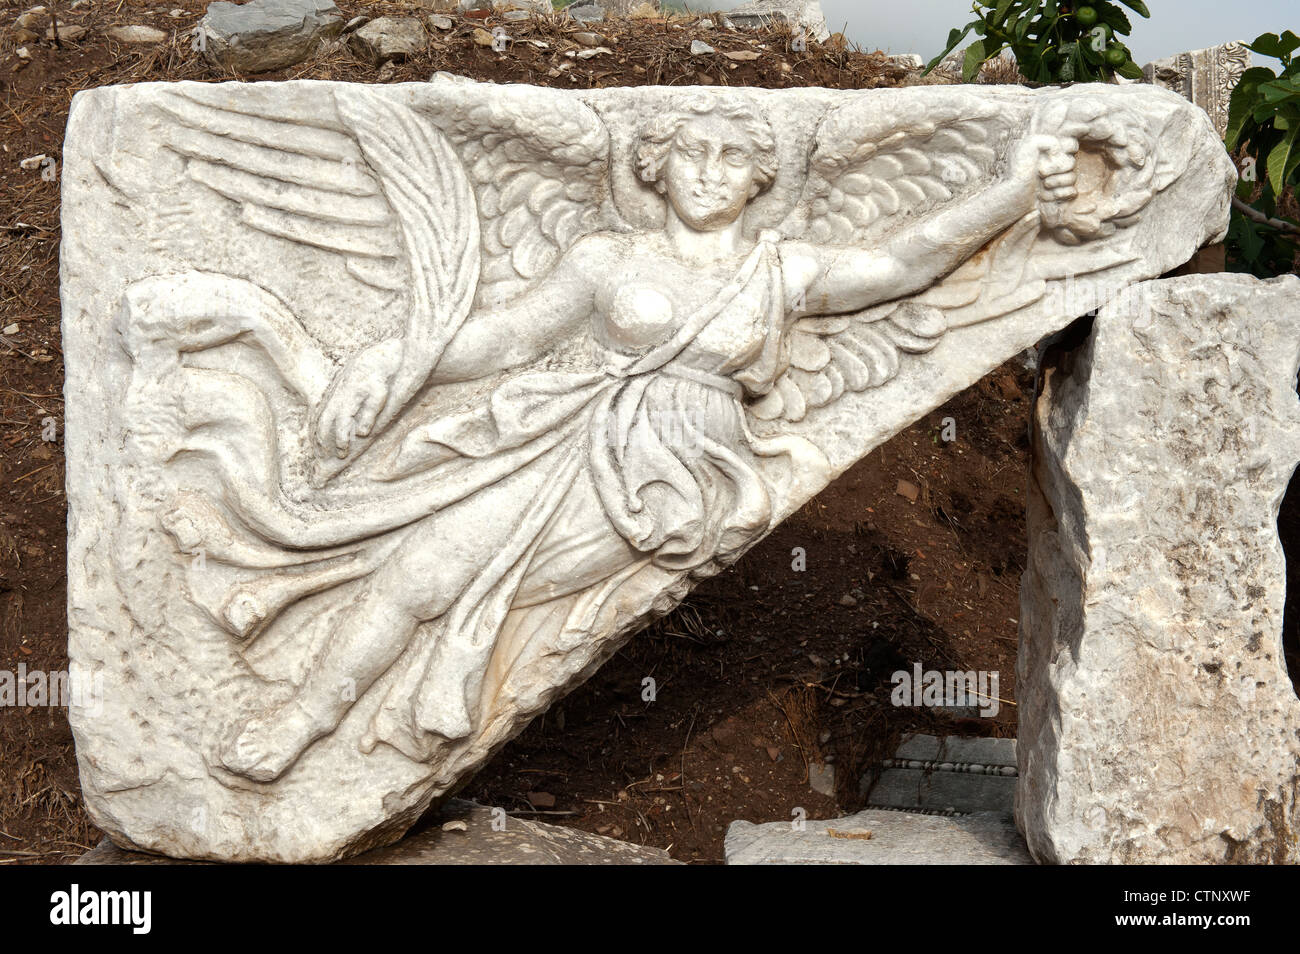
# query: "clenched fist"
x,y
357,397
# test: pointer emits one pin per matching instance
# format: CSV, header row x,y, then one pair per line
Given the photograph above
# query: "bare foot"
x,y
268,744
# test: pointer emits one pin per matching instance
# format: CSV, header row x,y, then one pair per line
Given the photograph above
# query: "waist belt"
x,y
718,381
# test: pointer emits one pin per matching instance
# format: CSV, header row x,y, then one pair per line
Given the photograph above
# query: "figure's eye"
x,y
736,157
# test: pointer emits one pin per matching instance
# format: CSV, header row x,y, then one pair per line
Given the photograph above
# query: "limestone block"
x,y
393,411
937,790
389,38
263,35
1157,720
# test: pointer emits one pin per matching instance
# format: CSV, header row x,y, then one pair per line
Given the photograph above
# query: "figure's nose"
x,y
712,171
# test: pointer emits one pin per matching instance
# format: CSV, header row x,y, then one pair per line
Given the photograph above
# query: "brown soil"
x,y
765,669
761,672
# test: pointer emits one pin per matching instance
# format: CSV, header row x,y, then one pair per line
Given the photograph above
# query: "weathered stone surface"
x,y
464,833
394,411
958,752
1206,77
877,837
947,775
389,38
805,15
586,12
263,35
904,788
1157,721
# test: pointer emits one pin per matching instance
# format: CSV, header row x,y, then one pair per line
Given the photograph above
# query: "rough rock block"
x,y
1157,719
264,35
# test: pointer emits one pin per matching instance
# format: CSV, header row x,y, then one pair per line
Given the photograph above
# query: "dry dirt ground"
x,y
764,671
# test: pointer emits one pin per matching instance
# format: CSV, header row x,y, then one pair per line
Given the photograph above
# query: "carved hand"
x,y
1046,163
357,396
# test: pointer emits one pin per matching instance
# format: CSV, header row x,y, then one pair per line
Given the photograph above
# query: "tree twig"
x,y
1252,213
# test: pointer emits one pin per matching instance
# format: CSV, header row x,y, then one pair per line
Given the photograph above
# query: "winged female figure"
x,y
573,402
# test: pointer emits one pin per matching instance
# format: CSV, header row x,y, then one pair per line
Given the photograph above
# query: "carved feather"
x,y
298,176
541,177
871,168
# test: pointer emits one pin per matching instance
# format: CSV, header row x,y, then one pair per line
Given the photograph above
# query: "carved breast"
x,y
639,317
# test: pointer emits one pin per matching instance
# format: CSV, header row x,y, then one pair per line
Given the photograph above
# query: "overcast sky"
x,y
921,26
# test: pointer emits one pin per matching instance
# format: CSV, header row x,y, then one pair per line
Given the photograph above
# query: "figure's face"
x,y
709,175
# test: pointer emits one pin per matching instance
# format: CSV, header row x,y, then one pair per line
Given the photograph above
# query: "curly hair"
x,y
657,136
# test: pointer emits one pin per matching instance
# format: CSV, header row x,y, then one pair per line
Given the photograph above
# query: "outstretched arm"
x,y
833,281
506,337
521,331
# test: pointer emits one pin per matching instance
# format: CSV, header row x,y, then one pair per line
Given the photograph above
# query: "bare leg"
x,y
428,572
367,642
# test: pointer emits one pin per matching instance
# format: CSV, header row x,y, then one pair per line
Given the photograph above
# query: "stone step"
x,y
880,837
947,776
939,801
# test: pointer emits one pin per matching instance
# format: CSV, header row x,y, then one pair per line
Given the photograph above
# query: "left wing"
x,y
881,160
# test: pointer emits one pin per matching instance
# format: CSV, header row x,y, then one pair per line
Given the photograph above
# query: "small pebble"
x,y
71,32
137,33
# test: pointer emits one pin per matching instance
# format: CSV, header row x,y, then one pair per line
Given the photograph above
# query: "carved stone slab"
x,y
1157,720
393,411
1206,77
463,833
880,837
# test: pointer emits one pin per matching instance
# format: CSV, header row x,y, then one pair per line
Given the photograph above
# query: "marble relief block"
x,y
393,411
